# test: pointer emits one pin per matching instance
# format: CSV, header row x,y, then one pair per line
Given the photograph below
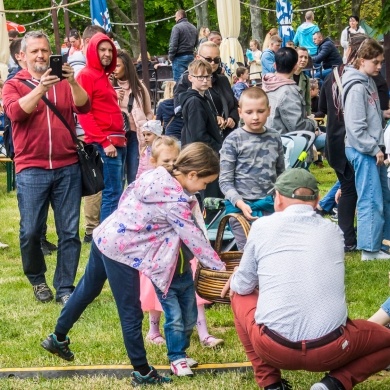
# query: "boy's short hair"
x,y
275,39
199,65
302,49
285,59
240,71
14,48
253,93
313,84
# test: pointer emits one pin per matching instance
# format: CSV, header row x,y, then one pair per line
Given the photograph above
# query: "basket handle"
x,y
222,224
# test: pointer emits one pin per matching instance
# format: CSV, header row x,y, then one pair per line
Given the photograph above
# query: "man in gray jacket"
x,y
288,108
184,37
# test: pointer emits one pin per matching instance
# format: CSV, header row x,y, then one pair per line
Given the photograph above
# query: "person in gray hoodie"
x,y
288,108
364,149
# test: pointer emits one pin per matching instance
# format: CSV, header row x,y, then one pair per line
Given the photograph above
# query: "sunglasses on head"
x,y
216,60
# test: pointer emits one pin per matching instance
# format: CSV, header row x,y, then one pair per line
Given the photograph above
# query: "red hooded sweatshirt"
x,y
105,117
40,139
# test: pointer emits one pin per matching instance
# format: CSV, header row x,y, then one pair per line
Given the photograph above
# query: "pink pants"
x,y
362,350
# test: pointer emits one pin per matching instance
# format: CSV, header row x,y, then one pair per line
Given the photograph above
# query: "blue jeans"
x,y
180,65
113,172
373,204
132,156
181,312
36,188
323,74
386,306
327,202
319,142
125,286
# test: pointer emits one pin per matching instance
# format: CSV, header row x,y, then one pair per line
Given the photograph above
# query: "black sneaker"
x,y
153,378
282,385
350,248
48,245
59,348
62,300
328,383
43,293
45,250
87,238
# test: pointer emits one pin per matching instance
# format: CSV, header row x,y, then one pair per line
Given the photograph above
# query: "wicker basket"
x,y
209,283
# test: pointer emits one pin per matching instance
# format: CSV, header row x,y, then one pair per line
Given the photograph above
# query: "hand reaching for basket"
x,y
246,210
226,287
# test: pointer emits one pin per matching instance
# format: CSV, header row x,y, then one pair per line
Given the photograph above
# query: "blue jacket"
x,y
267,62
165,112
327,54
304,37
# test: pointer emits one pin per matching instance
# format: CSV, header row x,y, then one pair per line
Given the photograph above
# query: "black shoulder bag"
x,y
91,163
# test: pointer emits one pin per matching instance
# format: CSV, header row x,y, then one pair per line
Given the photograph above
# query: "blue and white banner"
x,y
284,14
99,14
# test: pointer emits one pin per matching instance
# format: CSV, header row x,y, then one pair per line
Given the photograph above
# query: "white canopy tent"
x,y
4,44
229,20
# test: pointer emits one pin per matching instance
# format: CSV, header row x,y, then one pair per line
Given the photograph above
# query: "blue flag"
x,y
99,14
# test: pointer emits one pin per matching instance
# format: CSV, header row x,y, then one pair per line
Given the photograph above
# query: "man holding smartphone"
x,y
46,163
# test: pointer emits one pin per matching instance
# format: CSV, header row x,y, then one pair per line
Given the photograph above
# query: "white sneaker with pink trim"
x,y
180,367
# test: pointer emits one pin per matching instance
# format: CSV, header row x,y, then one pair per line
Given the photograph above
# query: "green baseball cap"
x,y
292,179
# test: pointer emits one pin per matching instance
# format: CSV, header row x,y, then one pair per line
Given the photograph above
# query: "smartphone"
x,y
56,65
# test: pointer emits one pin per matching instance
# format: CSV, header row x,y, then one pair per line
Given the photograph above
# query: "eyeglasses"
x,y
216,60
202,78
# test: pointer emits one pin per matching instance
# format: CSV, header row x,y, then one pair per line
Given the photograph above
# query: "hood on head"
x,y
272,81
92,53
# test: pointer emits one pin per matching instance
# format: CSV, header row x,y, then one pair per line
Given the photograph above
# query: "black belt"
x,y
308,344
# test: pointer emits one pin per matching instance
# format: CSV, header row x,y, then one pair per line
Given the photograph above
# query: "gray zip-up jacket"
x,y
184,37
362,112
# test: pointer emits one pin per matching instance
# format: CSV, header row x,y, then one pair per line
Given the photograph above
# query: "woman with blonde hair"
x,y
172,124
271,33
204,32
134,100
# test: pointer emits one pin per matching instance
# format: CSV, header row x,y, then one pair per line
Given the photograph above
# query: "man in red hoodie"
x,y
103,125
46,162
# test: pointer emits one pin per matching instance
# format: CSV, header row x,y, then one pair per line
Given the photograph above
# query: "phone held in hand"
x,y
56,66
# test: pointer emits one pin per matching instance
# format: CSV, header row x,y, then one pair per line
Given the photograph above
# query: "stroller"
x,y
296,145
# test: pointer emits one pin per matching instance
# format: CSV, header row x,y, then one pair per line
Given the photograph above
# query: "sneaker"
x,y
155,339
59,348
191,362
2,245
153,378
87,238
48,245
328,383
180,367
43,293
350,248
62,300
211,342
45,250
335,217
282,385
379,255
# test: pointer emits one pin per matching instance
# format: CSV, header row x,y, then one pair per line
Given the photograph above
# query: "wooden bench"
x,y
10,169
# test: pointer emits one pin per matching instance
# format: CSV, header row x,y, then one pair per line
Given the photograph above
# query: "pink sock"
x,y
201,323
154,321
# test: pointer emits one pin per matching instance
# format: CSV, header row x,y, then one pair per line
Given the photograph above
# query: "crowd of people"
x,y
209,139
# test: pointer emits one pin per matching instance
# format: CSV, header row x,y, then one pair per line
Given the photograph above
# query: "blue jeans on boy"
x,y
113,173
373,204
327,202
36,189
386,306
320,141
125,286
180,65
132,156
181,312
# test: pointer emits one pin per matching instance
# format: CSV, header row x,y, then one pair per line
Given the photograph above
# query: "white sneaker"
x,y
2,245
319,386
191,362
379,255
180,367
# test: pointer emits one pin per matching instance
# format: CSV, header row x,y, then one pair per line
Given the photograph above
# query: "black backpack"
x,y
7,138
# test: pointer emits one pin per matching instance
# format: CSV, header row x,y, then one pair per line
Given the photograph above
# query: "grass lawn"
x,y
97,339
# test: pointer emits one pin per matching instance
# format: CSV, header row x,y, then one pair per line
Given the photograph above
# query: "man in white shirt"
x,y
297,318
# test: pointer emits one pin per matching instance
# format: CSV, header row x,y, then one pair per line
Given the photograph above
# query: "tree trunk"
x,y
328,20
356,5
133,45
256,23
202,14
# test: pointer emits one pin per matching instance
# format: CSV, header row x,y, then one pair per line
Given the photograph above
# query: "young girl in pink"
x,y
164,152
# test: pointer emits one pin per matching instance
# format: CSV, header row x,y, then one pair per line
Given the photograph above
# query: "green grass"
x,y
97,339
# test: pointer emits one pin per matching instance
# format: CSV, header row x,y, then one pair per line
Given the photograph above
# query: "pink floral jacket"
x,y
145,232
